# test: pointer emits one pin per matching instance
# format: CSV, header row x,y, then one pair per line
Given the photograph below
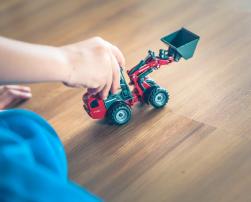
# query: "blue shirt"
x,y
33,164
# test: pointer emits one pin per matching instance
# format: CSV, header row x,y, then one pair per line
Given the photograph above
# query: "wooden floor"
x,y
198,148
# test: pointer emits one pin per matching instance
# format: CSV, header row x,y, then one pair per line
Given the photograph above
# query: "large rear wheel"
x,y
119,114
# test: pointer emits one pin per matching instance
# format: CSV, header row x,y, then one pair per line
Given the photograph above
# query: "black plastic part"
x,y
147,93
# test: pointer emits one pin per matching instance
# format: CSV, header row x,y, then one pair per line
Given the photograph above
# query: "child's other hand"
x,y
11,95
94,64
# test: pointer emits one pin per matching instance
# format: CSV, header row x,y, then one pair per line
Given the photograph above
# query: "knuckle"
x,y
116,48
100,44
98,39
95,85
101,48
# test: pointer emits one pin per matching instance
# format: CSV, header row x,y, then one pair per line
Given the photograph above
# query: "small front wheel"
x,y
158,97
119,114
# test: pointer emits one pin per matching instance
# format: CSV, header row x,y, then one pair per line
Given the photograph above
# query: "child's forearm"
x,y
93,64
24,63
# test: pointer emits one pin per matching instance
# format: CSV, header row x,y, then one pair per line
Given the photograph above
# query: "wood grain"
x,y
198,147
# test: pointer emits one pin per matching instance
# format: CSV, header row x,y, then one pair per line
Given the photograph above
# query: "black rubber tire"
x,y
158,97
147,94
119,114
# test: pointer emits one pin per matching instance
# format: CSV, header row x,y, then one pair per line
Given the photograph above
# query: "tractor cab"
x,y
98,108
94,106
114,107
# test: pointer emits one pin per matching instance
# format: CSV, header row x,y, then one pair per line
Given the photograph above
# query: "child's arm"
x,y
93,64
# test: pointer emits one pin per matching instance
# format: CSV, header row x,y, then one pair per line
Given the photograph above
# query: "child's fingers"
x,y
1,89
115,80
94,91
115,75
91,91
73,85
17,87
118,54
104,93
11,98
19,94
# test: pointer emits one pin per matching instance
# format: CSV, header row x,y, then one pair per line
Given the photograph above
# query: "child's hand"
x,y
11,95
94,64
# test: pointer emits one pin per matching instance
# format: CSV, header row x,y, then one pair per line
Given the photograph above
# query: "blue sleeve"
x,y
33,165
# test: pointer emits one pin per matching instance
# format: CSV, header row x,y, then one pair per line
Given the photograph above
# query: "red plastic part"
x,y
153,64
98,112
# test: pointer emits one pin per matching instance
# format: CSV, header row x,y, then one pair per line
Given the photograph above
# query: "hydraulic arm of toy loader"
x,y
150,63
182,44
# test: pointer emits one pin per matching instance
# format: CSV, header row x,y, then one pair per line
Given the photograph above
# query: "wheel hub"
x,y
160,99
121,116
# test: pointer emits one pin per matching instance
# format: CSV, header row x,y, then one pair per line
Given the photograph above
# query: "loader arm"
x,y
138,74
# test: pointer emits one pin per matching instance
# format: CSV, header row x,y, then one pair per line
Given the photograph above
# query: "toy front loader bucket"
x,y
182,43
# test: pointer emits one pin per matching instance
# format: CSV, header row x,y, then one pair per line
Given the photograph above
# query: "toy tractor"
x,y
117,107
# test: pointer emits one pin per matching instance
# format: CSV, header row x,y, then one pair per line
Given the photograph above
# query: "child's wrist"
x,y
66,65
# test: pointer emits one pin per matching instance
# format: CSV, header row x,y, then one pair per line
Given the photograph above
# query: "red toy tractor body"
x,y
117,107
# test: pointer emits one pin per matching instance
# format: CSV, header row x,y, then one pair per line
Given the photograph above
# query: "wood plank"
x,y
109,159
196,149
212,167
